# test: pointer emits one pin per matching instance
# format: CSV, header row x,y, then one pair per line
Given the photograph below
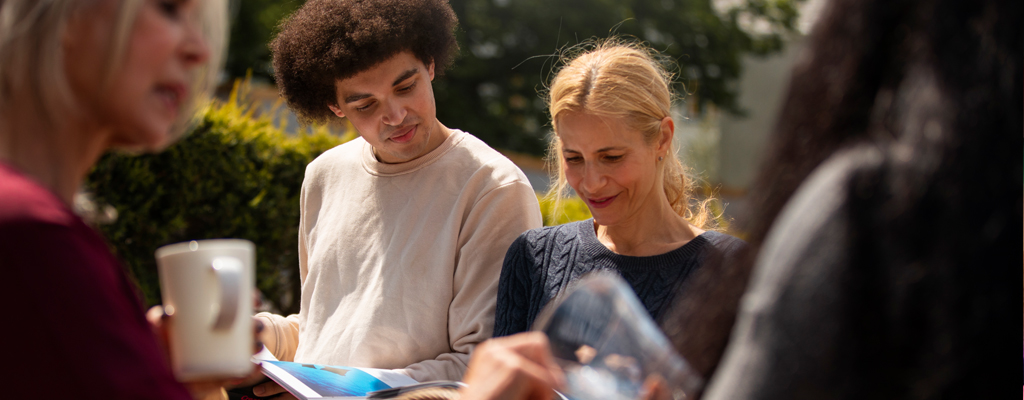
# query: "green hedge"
x,y
573,209
233,176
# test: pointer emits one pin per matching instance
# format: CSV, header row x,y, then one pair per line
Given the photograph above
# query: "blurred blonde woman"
x,y
79,78
611,112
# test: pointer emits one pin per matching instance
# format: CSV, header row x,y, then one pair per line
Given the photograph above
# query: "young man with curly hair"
x,y
403,230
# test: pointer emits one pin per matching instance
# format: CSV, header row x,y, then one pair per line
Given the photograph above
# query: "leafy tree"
x,y
509,48
253,24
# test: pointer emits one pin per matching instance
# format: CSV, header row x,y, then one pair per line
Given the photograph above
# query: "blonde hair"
x,y
31,53
625,81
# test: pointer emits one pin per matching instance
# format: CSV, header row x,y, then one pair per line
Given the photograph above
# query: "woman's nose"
x,y
593,179
195,50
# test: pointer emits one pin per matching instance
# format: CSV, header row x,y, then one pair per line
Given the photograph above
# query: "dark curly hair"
x,y
329,40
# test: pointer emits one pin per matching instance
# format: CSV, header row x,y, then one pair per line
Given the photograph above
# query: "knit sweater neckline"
x,y
588,239
375,167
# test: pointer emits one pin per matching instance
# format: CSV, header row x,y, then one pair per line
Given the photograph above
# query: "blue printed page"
x,y
313,381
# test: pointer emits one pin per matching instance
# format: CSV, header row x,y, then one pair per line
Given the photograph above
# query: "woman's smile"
x,y
601,202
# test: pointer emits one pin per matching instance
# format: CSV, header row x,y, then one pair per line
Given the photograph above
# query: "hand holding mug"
x,y
207,287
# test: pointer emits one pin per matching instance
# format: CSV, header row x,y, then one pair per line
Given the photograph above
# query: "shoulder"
x,y
482,163
820,201
543,242
727,244
811,230
339,158
540,255
27,203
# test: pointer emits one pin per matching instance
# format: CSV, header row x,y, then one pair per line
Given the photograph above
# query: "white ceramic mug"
x,y
207,288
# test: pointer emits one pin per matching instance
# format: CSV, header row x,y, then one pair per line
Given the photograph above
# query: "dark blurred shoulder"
x,y
729,245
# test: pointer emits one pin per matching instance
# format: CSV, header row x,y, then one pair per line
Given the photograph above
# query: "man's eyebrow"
x,y
356,97
405,75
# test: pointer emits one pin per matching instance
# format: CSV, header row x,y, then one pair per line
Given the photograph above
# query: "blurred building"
x,y
726,149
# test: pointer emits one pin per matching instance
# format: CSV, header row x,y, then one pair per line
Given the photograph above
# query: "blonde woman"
x,y
79,78
612,143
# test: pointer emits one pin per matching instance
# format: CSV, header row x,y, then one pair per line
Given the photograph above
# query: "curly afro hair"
x,y
329,40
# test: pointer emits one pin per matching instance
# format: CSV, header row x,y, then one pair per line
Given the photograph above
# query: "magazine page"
x,y
315,381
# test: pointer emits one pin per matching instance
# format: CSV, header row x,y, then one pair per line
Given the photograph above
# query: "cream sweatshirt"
x,y
399,263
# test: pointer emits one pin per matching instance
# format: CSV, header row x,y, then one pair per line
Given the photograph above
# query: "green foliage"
x,y
233,176
253,24
508,49
572,209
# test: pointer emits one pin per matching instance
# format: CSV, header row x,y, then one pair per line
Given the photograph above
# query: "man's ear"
x,y
336,110
430,70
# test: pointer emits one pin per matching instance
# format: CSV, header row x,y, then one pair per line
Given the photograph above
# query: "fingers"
x,y
514,367
267,389
257,330
540,351
655,388
531,351
205,389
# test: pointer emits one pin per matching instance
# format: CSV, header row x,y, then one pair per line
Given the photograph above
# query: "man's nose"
x,y
394,113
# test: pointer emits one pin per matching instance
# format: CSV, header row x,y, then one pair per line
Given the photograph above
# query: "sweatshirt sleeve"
x,y
495,221
280,334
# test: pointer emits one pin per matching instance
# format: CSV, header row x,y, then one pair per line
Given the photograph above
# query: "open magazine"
x,y
608,345
314,381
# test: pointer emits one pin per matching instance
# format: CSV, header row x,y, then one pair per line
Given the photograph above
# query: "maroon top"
x,y
75,326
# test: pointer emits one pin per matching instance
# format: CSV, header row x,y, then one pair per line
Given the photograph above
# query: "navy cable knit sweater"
x,y
543,262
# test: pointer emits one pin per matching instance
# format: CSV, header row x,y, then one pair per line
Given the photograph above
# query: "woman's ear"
x,y
667,132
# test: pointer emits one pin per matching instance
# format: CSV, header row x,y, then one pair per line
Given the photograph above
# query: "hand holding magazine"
x,y
314,381
608,346
600,335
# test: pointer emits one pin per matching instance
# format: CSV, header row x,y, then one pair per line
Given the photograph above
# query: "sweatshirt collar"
x,y
374,167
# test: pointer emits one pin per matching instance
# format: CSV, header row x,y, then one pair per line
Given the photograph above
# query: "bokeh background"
x,y
238,173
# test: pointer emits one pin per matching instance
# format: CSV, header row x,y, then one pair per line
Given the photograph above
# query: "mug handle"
x,y
229,276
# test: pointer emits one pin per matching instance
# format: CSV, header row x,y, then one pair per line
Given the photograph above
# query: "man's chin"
x,y
401,155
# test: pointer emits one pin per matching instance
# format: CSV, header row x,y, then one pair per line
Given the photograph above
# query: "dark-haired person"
x,y
403,230
886,234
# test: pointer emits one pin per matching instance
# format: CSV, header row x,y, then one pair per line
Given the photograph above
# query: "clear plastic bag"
x,y
609,347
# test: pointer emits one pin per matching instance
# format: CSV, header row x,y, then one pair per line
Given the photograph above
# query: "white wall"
x,y
742,139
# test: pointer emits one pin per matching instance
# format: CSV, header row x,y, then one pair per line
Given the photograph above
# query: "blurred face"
x,y
611,167
150,85
391,105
